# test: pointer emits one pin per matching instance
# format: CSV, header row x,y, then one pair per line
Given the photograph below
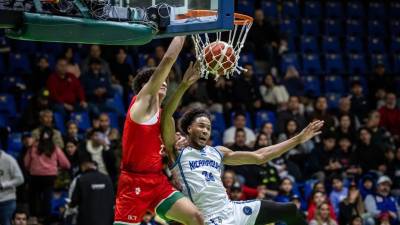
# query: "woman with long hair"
x,y
322,216
42,162
352,206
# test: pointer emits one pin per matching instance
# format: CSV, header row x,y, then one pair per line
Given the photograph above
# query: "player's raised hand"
x,y
312,130
192,73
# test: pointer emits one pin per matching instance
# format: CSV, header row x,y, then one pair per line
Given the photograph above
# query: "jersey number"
x,y
208,176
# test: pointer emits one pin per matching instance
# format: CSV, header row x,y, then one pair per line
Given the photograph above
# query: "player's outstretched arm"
x,y
145,105
191,75
265,154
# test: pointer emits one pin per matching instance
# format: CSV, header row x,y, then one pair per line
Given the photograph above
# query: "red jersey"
x,y
141,146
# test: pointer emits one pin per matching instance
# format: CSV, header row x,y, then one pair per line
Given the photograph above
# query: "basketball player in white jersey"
x,y
199,167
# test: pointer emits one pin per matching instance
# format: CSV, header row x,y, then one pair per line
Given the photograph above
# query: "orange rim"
x,y
240,19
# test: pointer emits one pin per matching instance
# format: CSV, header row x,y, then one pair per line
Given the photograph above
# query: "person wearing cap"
x,y
93,193
382,202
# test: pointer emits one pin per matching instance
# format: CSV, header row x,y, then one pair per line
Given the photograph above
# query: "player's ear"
x,y
189,129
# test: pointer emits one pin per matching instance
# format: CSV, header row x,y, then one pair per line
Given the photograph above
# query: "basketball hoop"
x,y
235,39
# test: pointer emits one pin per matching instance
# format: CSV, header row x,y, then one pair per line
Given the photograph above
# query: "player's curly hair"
x,y
142,78
188,118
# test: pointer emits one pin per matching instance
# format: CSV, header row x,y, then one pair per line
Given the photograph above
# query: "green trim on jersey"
x,y
165,205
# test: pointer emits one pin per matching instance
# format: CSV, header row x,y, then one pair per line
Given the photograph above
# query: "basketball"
x,y
219,57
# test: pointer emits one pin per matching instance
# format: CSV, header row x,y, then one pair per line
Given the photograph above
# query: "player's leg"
x,y
271,212
178,208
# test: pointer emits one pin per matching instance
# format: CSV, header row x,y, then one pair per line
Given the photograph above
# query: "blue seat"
x,y
14,144
308,44
289,60
312,85
24,101
376,28
312,9
28,47
331,45
311,64
356,64
3,119
355,10
264,116
394,9
333,27
354,28
310,27
395,45
7,104
334,84
288,26
334,9
218,121
290,9
247,58
12,82
216,137
245,7
19,63
291,44
270,9
59,122
376,10
380,59
114,122
376,46
354,45
334,64
118,102
248,119
394,27
2,66
333,100
396,63
82,119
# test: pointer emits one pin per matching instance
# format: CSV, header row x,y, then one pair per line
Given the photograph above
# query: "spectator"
x,y
239,121
380,81
72,132
324,160
95,53
240,141
382,202
46,122
19,217
356,220
274,96
318,199
293,83
367,154
93,193
122,70
232,185
42,162
321,113
268,129
322,216
291,129
41,73
148,219
65,89
292,113
285,191
98,88
390,116
345,109
72,66
345,128
380,136
71,151
351,206
395,173
23,189
366,185
245,91
359,104
111,134
339,192
96,149
36,104
346,152
10,178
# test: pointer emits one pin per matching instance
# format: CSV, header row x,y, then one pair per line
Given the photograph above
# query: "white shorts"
x,y
236,213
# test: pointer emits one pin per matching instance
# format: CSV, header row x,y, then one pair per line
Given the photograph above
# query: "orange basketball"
x,y
219,57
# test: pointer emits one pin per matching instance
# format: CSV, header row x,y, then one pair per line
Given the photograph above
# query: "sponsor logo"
x,y
131,217
247,210
98,186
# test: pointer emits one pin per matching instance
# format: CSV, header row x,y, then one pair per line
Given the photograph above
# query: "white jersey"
x,y
199,173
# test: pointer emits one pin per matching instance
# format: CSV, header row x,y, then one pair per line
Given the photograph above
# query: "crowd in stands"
x,y
62,108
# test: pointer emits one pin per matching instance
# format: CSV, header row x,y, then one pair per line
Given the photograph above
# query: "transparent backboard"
x,y
181,24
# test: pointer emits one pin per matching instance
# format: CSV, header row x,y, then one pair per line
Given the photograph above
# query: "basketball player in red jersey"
x,y
142,184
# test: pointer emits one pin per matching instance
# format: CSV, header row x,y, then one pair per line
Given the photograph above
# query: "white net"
x,y
221,63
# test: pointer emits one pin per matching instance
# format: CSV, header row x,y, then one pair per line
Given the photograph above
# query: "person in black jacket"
x,y
93,193
97,149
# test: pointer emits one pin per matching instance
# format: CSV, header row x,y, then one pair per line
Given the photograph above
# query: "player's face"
x,y
163,91
200,131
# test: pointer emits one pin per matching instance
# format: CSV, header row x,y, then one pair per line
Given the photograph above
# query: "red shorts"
x,y
138,193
